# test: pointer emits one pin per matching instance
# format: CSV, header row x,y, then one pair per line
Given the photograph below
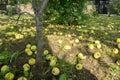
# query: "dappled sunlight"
x,y
94,46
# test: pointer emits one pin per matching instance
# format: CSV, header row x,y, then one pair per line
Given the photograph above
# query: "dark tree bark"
x,y
38,10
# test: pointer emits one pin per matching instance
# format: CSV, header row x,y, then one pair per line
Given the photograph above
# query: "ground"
x,y
65,42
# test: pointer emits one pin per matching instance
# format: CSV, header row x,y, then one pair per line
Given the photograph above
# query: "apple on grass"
x,y
33,47
9,76
4,69
79,66
97,55
118,62
53,63
115,51
28,45
91,46
45,52
31,61
98,46
81,56
55,71
118,40
26,67
118,45
22,78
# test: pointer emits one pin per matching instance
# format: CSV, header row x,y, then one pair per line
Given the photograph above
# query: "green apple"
x,y
118,40
69,35
45,52
97,55
4,69
80,37
76,40
118,45
80,56
22,78
48,57
118,62
53,63
98,46
31,61
28,46
67,47
78,66
9,76
33,47
55,71
26,67
91,46
29,53
97,42
27,50
59,41
115,51
53,58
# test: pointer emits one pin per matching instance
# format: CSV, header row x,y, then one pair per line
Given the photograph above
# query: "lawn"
x,y
89,51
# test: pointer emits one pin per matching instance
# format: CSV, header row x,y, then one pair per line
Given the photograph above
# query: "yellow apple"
x,y
55,71
97,55
91,46
118,45
22,78
48,57
115,51
76,40
33,47
118,62
98,46
67,47
31,61
97,42
4,68
118,40
28,46
9,76
53,63
78,66
80,56
45,52
26,67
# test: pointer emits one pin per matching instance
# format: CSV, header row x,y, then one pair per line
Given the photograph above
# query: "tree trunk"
x,y
38,10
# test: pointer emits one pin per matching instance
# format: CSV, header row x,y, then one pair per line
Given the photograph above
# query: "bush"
x,y
65,11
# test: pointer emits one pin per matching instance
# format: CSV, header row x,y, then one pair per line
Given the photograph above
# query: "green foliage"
x,y
65,11
63,77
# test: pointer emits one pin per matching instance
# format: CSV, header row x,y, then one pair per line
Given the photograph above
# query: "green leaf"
x,y
63,77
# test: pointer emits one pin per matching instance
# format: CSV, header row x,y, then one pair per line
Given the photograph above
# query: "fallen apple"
x,y
9,76
118,45
55,71
4,69
28,45
26,67
97,55
31,61
118,62
22,78
79,66
91,46
53,63
115,51
45,52
33,47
